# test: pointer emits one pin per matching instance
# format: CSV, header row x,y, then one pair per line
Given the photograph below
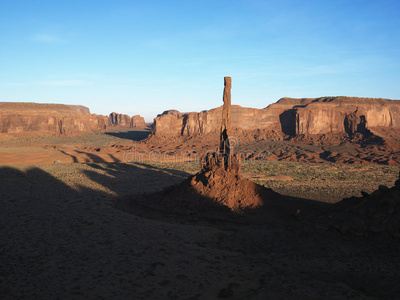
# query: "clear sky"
x,y
144,57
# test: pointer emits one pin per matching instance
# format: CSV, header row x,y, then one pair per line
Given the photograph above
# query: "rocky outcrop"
x,y
125,121
306,116
61,119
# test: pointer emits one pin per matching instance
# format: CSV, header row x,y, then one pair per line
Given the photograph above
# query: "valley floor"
x,y
63,238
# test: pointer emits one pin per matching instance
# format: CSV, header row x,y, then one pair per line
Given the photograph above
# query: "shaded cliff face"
x,y
48,118
306,116
125,121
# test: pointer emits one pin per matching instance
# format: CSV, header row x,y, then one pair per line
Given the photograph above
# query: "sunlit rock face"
x,y
343,114
291,116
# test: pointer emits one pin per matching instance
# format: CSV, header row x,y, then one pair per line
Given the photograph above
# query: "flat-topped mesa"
x,y
18,118
224,157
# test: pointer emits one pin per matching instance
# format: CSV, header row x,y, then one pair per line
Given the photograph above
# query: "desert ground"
x,y
65,234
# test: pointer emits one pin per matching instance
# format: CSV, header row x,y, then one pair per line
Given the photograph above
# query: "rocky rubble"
x,y
371,214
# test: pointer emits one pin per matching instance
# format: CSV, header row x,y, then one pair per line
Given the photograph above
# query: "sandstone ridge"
x,y
290,116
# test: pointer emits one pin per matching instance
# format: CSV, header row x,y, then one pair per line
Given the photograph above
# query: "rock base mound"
x,y
229,189
209,193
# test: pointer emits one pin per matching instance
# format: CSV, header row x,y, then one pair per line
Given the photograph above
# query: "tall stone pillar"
x,y
224,157
224,148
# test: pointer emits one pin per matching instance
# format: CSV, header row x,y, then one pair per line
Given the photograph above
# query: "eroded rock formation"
x,y
119,120
224,147
137,122
306,116
218,188
224,158
62,119
125,121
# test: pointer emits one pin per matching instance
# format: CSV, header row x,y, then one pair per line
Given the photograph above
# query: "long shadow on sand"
x,y
134,135
306,231
58,242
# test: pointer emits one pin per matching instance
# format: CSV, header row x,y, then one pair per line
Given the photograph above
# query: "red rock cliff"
x,y
291,116
344,114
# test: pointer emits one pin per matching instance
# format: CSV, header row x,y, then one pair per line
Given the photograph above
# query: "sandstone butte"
x,y
305,116
125,121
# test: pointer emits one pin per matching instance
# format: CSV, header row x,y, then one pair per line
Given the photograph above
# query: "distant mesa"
x,y
59,119
302,118
290,117
125,121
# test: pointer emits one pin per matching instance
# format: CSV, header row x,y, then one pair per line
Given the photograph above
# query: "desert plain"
x,y
64,234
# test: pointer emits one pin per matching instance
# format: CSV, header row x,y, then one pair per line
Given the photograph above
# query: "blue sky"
x,y
144,57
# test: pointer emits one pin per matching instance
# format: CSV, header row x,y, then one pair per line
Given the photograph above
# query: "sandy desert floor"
x,y
62,236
